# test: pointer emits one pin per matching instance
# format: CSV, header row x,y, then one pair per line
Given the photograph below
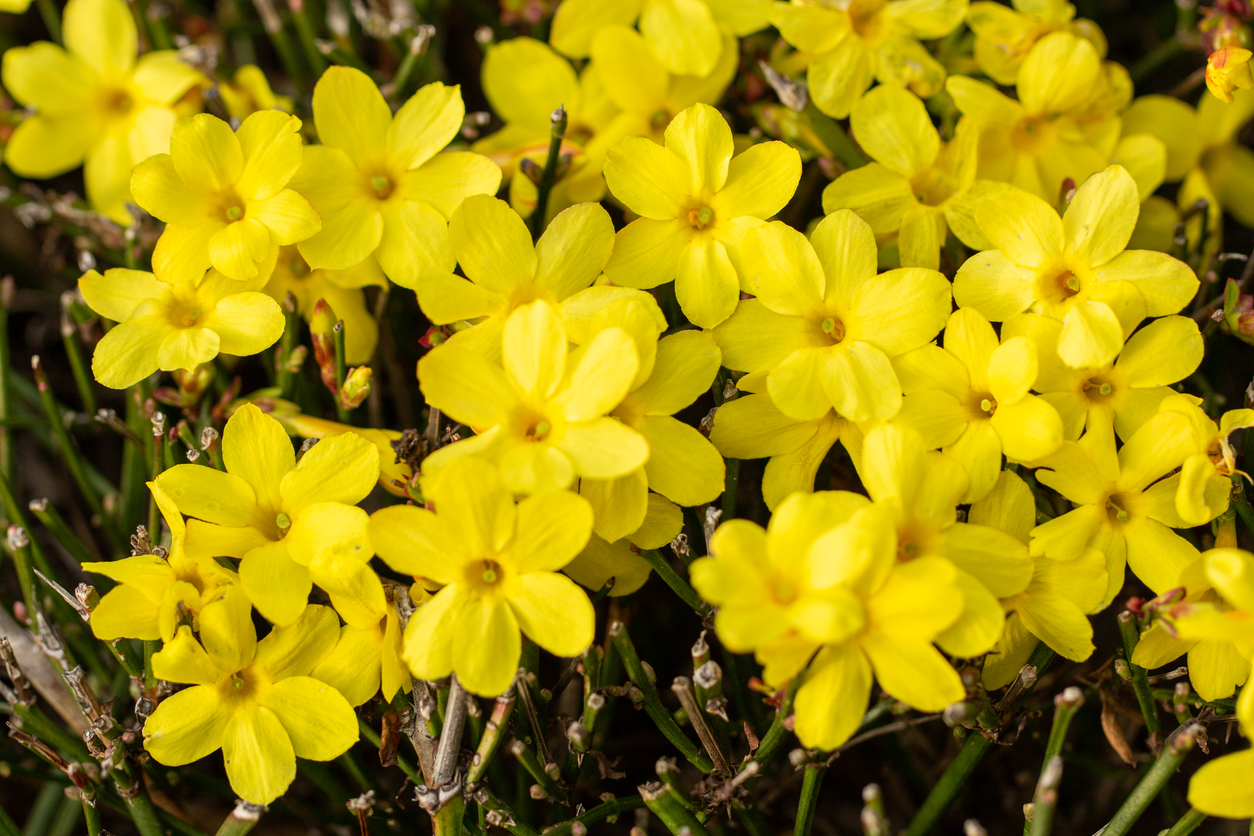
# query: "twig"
x,y
1178,744
557,132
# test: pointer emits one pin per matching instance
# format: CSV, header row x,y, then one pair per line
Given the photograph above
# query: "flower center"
x,y
283,522
1032,133
868,21
660,119
1096,389
382,187
700,218
491,572
234,213
1116,509
186,316
539,431
833,328
119,102
297,267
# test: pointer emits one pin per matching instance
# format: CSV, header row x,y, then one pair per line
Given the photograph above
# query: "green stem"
x,y
833,136
78,366
286,344
344,415
1239,498
672,579
55,523
242,819
1155,58
304,28
811,781
1045,801
731,488
969,756
91,814
1131,634
6,450
666,804
150,679
608,811
1187,824
652,703
1178,745
778,732
484,797
8,827
557,132
1066,705
52,19
70,454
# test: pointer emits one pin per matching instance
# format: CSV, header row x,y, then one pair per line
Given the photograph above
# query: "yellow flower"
x,y
601,560
1206,476
504,270
94,104
498,566
916,188
1203,152
824,326
248,91
1120,503
1055,605
380,182
291,523
343,291
1228,69
15,7
367,660
685,34
525,81
1223,786
1004,36
696,204
253,700
145,604
1218,659
1126,391
856,41
973,398
542,419
921,490
648,96
223,196
682,466
824,577
1064,125
169,327
1073,269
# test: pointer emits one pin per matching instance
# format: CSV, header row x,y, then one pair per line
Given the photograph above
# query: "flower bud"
x,y
356,387
1226,70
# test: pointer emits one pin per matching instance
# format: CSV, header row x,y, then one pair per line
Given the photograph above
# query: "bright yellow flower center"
x,y
243,686
1059,287
1117,508
186,315
981,405
118,102
868,20
700,217
283,522
1033,133
660,119
487,577
1097,389
916,538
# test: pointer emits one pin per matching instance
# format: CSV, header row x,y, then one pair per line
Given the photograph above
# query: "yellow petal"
x,y
830,703
980,625
271,144
994,285
760,181
838,77
1167,284
602,377
260,762
1030,428
879,196
576,21
414,541
892,125
463,384
993,557
552,529
701,138
206,153
683,34
1165,351
1059,74
350,668
318,720
877,315
487,645
351,114
683,466
574,249
648,178
129,352
525,80
102,33
427,122
1101,216
604,448
1058,622
706,284
914,672
1156,554
554,613
186,726
1091,336
1025,228
278,586
1223,787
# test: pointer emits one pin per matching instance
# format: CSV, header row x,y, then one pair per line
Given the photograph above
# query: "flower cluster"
x,y
992,315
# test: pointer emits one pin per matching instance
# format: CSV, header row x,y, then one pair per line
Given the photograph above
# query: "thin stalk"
x,y
682,687
55,523
8,827
609,811
811,781
273,25
664,803
484,798
1178,745
52,19
1239,498
731,488
652,703
491,738
1131,633
6,450
672,579
1066,705
528,760
833,136
286,345
91,813
150,678
1046,798
969,756
1189,822
304,29
78,366
778,732
70,454
557,132
342,412
242,819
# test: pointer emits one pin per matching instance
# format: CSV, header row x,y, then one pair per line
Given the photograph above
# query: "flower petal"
x,y
186,726
554,613
683,466
832,699
342,468
487,645
318,720
260,762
